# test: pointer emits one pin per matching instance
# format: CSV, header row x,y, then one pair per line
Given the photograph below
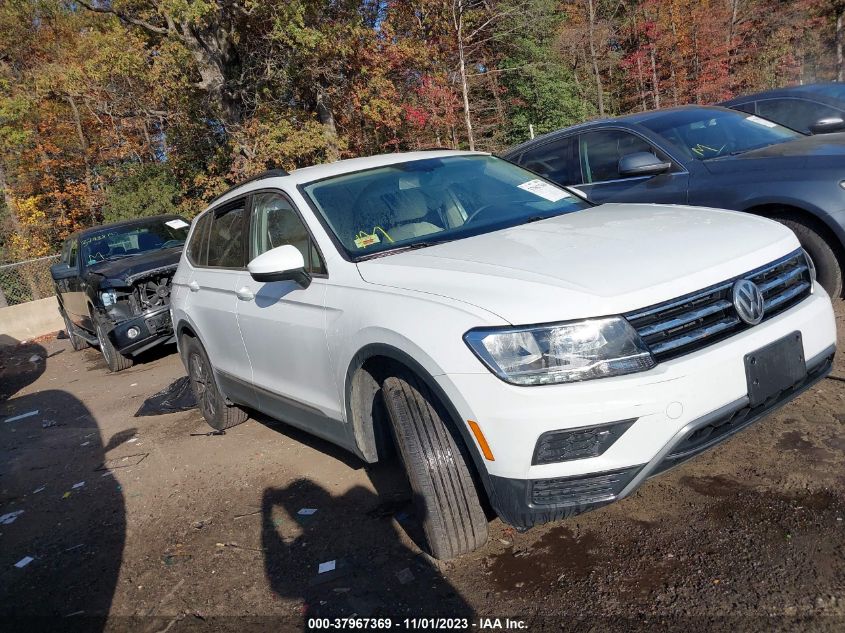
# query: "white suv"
x,y
524,350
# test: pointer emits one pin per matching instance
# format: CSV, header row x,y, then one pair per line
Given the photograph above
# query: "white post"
x,y
531,130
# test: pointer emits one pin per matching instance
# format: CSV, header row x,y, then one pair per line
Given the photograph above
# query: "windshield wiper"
x,y
404,247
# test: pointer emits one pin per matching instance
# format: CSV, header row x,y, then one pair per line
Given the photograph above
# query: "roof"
x,y
340,167
786,91
637,117
130,222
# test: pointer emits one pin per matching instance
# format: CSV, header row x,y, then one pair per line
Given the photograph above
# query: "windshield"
x,y
427,201
705,134
132,239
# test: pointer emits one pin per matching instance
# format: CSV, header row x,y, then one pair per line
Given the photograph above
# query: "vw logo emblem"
x,y
748,301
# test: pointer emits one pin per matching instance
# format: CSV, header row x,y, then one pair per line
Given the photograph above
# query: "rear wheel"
x,y
210,401
77,342
114,359
811,236
444,492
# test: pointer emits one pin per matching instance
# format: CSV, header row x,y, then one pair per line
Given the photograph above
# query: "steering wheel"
x,y
172,243
479,211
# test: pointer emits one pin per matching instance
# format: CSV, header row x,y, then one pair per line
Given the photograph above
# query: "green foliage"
x,y
140,191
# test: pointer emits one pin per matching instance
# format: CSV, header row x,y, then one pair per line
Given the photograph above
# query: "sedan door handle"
x,y
245,294
194,286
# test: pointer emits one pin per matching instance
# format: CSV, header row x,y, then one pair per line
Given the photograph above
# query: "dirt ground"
x,y
134,523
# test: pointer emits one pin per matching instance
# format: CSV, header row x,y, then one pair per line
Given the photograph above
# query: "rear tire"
x,y
77,342
210,401
444,492
811,236
114,359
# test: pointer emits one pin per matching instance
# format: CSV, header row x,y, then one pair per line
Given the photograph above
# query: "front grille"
x,y
702,318
581,489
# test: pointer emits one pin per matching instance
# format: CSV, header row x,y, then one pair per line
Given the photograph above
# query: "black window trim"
x,y
296,210
228,205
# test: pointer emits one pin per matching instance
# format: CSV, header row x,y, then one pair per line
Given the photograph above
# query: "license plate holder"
x,y
774,368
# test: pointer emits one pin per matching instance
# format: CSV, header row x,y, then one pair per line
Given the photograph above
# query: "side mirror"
x,y
827,125
642,164
61,271
283,263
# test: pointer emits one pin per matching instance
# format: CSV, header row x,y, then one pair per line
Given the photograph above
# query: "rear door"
x,y
219,261
599,152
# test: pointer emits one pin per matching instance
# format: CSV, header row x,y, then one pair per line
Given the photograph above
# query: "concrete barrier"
x,y
28,320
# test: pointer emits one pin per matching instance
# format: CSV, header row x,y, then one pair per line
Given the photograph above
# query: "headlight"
x,y
812,267
564,352
109,297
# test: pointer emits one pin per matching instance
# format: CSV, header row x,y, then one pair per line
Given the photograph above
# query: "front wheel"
x,y
210,401
828,269
444,492
114,359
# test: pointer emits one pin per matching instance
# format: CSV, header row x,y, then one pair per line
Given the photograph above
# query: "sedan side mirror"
x,y
642,164
283,263
827,125
61,271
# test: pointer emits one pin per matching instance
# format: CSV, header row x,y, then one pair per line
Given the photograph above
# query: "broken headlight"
x,y
562,352
108,297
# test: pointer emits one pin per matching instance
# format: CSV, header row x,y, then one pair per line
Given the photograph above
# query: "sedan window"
x,y
225,239
704,133
600,152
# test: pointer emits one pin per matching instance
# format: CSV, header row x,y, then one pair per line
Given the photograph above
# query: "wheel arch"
x,y
368,368
831,231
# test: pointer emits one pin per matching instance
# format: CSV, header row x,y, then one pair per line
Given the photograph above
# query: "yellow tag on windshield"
x,y
363,241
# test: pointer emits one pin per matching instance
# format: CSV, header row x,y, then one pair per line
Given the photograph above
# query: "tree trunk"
x,y
326,117
655,86
458,20
840,42
83,143
593,57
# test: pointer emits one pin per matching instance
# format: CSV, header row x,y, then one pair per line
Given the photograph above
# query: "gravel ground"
x,y
133,523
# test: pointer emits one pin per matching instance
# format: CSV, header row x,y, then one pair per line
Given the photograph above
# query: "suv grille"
x,y
694,321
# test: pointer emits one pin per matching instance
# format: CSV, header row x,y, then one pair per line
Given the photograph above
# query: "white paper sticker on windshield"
x,y
176,224
544,190
759,121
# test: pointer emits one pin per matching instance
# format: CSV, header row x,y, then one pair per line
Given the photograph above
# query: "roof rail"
x,y
270,173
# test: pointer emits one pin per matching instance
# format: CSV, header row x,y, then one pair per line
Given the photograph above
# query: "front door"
x,y
284,326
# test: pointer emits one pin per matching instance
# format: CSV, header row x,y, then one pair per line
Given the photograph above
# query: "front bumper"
x,y
524,503
154,327
667,404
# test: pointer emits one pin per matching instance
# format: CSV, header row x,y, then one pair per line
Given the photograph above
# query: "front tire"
x,y
444,492
828,268
211,403
114,359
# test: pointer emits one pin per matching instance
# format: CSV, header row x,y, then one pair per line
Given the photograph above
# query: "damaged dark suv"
x,y
113,286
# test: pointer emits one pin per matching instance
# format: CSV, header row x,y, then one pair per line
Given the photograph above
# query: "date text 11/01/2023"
x,y
434,624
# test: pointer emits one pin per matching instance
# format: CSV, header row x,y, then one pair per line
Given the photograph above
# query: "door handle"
x,y
245,294
194,286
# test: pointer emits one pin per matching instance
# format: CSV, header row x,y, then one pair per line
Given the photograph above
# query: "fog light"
x,y
133,332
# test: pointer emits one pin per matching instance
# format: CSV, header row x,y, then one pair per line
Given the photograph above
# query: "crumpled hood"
x,y
123,272
605,260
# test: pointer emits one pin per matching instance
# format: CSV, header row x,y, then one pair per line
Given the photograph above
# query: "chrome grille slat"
x,y
686,324
688,317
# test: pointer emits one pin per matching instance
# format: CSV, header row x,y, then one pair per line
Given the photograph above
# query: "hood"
x,y
601,261
822,150
125,271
